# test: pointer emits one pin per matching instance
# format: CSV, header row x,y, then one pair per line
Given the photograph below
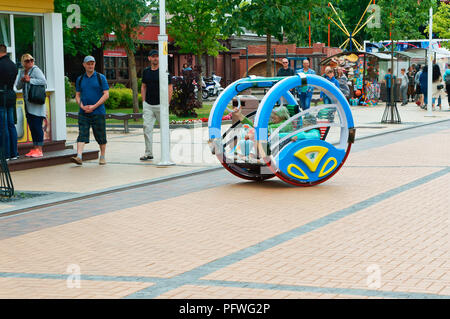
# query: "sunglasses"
x,y
29,60
285,62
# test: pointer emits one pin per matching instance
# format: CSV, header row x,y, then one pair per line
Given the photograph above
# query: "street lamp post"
x,y
430,67
163,87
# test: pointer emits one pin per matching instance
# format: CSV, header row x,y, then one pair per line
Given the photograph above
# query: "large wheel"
x,y
223,140
308,161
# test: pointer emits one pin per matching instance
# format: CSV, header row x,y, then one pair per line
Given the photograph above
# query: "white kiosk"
x,y
31,26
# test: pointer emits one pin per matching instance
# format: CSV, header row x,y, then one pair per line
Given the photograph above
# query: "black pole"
x,y
274,62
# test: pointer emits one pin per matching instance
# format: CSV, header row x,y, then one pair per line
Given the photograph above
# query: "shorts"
x,y
98,124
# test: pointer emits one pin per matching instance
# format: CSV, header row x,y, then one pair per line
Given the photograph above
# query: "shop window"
x,y
5,37
28,38
110,68
116,68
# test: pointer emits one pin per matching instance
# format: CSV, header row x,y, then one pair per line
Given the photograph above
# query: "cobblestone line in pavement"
x,y
194,275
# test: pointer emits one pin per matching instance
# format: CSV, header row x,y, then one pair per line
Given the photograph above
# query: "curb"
x,y
70,198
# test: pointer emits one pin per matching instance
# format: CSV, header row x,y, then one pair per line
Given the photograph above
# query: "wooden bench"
x,y
116,116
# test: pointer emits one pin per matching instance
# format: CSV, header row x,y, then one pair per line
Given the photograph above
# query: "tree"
x,y
405,22
198,26
123,18
441,23
78,39
282,19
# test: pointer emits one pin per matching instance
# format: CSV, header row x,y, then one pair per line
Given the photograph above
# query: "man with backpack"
x,y
92,92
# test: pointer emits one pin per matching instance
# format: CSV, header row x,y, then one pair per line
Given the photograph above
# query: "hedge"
x,y
120,98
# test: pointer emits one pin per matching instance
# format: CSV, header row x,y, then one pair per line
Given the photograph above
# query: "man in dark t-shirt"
x,y
285,70
150,101
8,133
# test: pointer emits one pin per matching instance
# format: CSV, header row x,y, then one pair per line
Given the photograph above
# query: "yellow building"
x,y
32,26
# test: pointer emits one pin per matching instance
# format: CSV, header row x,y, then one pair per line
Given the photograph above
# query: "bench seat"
x,y
116,116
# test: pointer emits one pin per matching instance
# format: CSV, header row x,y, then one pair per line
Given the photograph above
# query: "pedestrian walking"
x,y
437,85
92,91
389,80
329,75
35,110
411,75
151,101
285,70
404,81
424,86
306,92
418,89
343,82
8,133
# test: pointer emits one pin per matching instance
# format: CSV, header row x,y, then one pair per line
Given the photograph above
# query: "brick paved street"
x,y
378,229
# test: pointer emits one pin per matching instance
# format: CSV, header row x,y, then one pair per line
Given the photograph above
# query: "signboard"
x,y
401,45
118,53
23,131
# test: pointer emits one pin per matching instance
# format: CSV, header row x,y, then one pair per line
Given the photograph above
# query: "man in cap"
x,y
8,133
306,92
92,92
150,101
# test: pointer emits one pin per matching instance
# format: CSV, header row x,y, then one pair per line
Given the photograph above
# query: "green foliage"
x,y
126,98
120,98
121,17
119,86
79,40
198,26
281,18
407,17
72,107
69,89
115,97
441,23
184,102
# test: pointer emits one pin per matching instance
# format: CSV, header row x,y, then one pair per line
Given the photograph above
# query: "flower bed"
x,y
199,120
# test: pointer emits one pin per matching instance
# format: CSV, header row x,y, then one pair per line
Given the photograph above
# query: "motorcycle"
x,y
211,86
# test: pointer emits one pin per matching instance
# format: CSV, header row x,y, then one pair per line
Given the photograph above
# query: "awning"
x,y
380,56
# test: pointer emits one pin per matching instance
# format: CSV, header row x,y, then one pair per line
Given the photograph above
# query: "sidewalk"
x,y
189,151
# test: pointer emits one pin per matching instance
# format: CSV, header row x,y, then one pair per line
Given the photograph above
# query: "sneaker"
x,y
77,160
30,153
37,153
102,161
146,157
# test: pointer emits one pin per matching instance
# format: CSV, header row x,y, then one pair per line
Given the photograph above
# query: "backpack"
x,y
99,79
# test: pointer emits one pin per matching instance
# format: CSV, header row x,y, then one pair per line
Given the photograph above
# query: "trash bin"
x,y
249,103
